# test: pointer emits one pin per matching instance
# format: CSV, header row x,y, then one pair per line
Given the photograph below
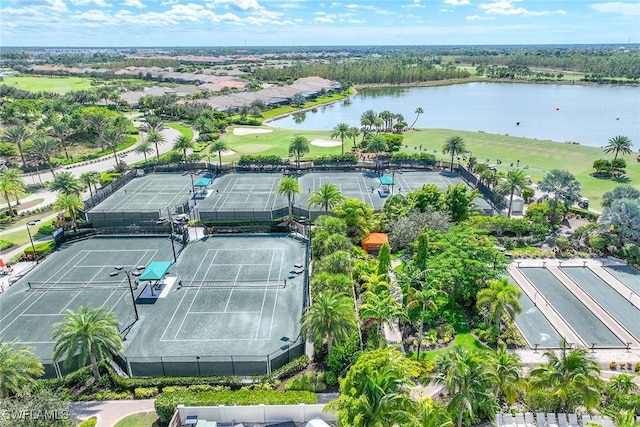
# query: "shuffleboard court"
x,y
627,275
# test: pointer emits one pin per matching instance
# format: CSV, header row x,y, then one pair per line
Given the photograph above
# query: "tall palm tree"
x,y
218,147
18,367
425,299
95,122
90,178
622,218
341,130
427,413
515,180
330,318
570,376
368,118
618,145
156,138
17,135
353,134
183,143
60,129
65,183
43,149
71,204
504,373
464,375
455,146
89,333
144,147
112,137
418,111
381,308
11,184
289,186
153,123
499,298
326,197
564,186
299,146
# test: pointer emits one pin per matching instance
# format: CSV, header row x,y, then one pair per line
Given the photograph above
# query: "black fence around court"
x,y
193,366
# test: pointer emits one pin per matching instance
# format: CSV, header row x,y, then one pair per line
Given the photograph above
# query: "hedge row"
x,y
426,158
166,403
5,244
258,159
346,158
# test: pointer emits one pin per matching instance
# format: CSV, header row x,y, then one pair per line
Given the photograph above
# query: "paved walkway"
x,y
109,412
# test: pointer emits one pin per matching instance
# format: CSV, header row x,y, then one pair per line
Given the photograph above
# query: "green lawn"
x,y
537,156
184,130
463,339
145,419
48,84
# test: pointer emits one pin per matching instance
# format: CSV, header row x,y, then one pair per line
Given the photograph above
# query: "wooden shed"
x,y
374,241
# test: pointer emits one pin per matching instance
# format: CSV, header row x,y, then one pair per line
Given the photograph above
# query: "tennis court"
x,y
238,305
244,192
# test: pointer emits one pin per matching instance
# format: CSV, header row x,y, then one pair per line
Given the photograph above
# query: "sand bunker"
x,y
325,143
250,131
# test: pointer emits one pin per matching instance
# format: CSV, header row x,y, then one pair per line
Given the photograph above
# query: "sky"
x,y
148,23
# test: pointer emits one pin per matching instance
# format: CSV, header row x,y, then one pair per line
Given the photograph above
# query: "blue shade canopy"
x,y
155,270
203,182
386,180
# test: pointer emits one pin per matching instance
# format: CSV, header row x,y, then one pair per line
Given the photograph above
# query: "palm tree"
x,y
71,204
326,197
455,146
11,184
427,413
219,146
353,134
622,218
90,178
464,375
112,137
515,180
17,135
18,367
330,318
504,373
425,299
95,123
623,383
144,147
153,123
89,333
499,298
183,143
377,144
341,130
299,146
156,138
289,186
381,308
43,148
65,183
564,186
60,130
617,145
570,376
418,112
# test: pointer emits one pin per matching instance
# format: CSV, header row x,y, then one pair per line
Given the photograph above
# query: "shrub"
x,y
40,248
266,159
145,392
613,366
91,422
166,403
47,229
5,244
310,381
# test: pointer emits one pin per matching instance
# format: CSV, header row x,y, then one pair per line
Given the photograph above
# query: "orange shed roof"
x,y
376,239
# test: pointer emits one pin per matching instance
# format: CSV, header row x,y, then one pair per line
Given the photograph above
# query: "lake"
x,y
589,115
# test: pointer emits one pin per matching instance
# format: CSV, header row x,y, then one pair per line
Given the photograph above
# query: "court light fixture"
x,y
134,271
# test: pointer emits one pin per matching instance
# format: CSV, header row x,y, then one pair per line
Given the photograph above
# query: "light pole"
x,y
33,248
193,190
173,245
136,271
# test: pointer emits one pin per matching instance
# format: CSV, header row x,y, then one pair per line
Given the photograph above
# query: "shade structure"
x,y
386,180
203,182
155,270
374,241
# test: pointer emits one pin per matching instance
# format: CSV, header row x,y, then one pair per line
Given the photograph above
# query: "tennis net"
x,y
221,284
70,286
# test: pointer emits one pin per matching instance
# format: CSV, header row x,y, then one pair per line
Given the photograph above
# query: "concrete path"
x,y
392,332
109,412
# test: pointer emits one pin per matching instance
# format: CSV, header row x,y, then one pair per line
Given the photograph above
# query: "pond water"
x,y
589,115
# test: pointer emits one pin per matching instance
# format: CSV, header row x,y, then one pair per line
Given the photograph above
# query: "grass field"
x,y
537,156
48,84
144,419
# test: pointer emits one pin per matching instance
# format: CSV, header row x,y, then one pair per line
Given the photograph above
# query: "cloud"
x,y
356,21
456,2
479,18
98,3
415,4
133,3
506,7
324,18
617,7
242,5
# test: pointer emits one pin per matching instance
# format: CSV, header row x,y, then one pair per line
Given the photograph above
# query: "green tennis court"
x,y
227,303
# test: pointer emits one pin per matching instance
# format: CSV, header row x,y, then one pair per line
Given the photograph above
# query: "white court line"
x,y
213,340
226,192
39,315
224,312
272,193
362,183
275,299
264,295
73,258
180,305
231,293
